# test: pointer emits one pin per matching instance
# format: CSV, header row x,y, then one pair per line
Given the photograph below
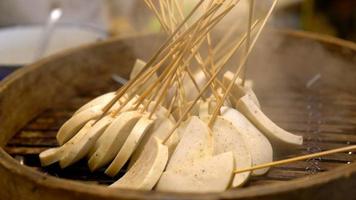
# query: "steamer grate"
x,y
311,113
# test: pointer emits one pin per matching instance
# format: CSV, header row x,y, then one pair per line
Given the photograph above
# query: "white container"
x,y
18,45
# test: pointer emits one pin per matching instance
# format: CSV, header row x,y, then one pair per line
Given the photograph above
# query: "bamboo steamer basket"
x,y
303,89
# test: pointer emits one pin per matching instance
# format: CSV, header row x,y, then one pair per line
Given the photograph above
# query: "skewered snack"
x,y
179,125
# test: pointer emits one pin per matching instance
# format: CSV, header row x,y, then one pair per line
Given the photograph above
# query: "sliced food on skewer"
x,y
190,89
196,144
227,138
110,142
137,68
144,174
238,89
258,145
76,122
134,138
101,102
211,174
54,155
80,149
178,110
279,137
103,99
160,129
161,111
204,109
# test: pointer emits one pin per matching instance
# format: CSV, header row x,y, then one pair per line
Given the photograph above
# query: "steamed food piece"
x,y
129,146
196,144
249,83
53,155
137,68
110,142
160,130
145,173
49,156
82,147
228,139
190,90
279,137
238,90
103,99
213,102
161,111
257,144
76,122
179,110
211,174
204,109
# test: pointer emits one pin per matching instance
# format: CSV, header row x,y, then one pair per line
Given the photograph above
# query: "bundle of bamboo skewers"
x,y
183,122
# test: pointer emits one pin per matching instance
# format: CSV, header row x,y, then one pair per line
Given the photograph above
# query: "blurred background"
x,y
30,30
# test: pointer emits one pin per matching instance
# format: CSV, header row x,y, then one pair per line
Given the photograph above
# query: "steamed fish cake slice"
x,y
112,139
238,90
144,174
257,144
161,112
82,147
53,155
134,138
179,109
196,144
190,89
160,129
128,107
228,139
279,137
103,99
209,175
137,68
76,122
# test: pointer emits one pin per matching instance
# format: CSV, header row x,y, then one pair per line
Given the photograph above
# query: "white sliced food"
x,y
226,139
76,122
249,83
279,137
49,156
161,112
144,174
204,109
179,110
53,155
196,144
258,145
190,90
160,129
137,68
209,175
110,142
213,102
103,99
172,142
134,138
82,147
238,90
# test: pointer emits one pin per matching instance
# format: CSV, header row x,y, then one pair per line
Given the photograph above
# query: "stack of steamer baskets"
x,y
304,83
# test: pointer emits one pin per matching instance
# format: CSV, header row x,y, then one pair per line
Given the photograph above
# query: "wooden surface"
x,y
323,113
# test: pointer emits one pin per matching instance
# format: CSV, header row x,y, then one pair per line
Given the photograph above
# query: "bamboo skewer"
x,y
243,62
299,158
248,41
